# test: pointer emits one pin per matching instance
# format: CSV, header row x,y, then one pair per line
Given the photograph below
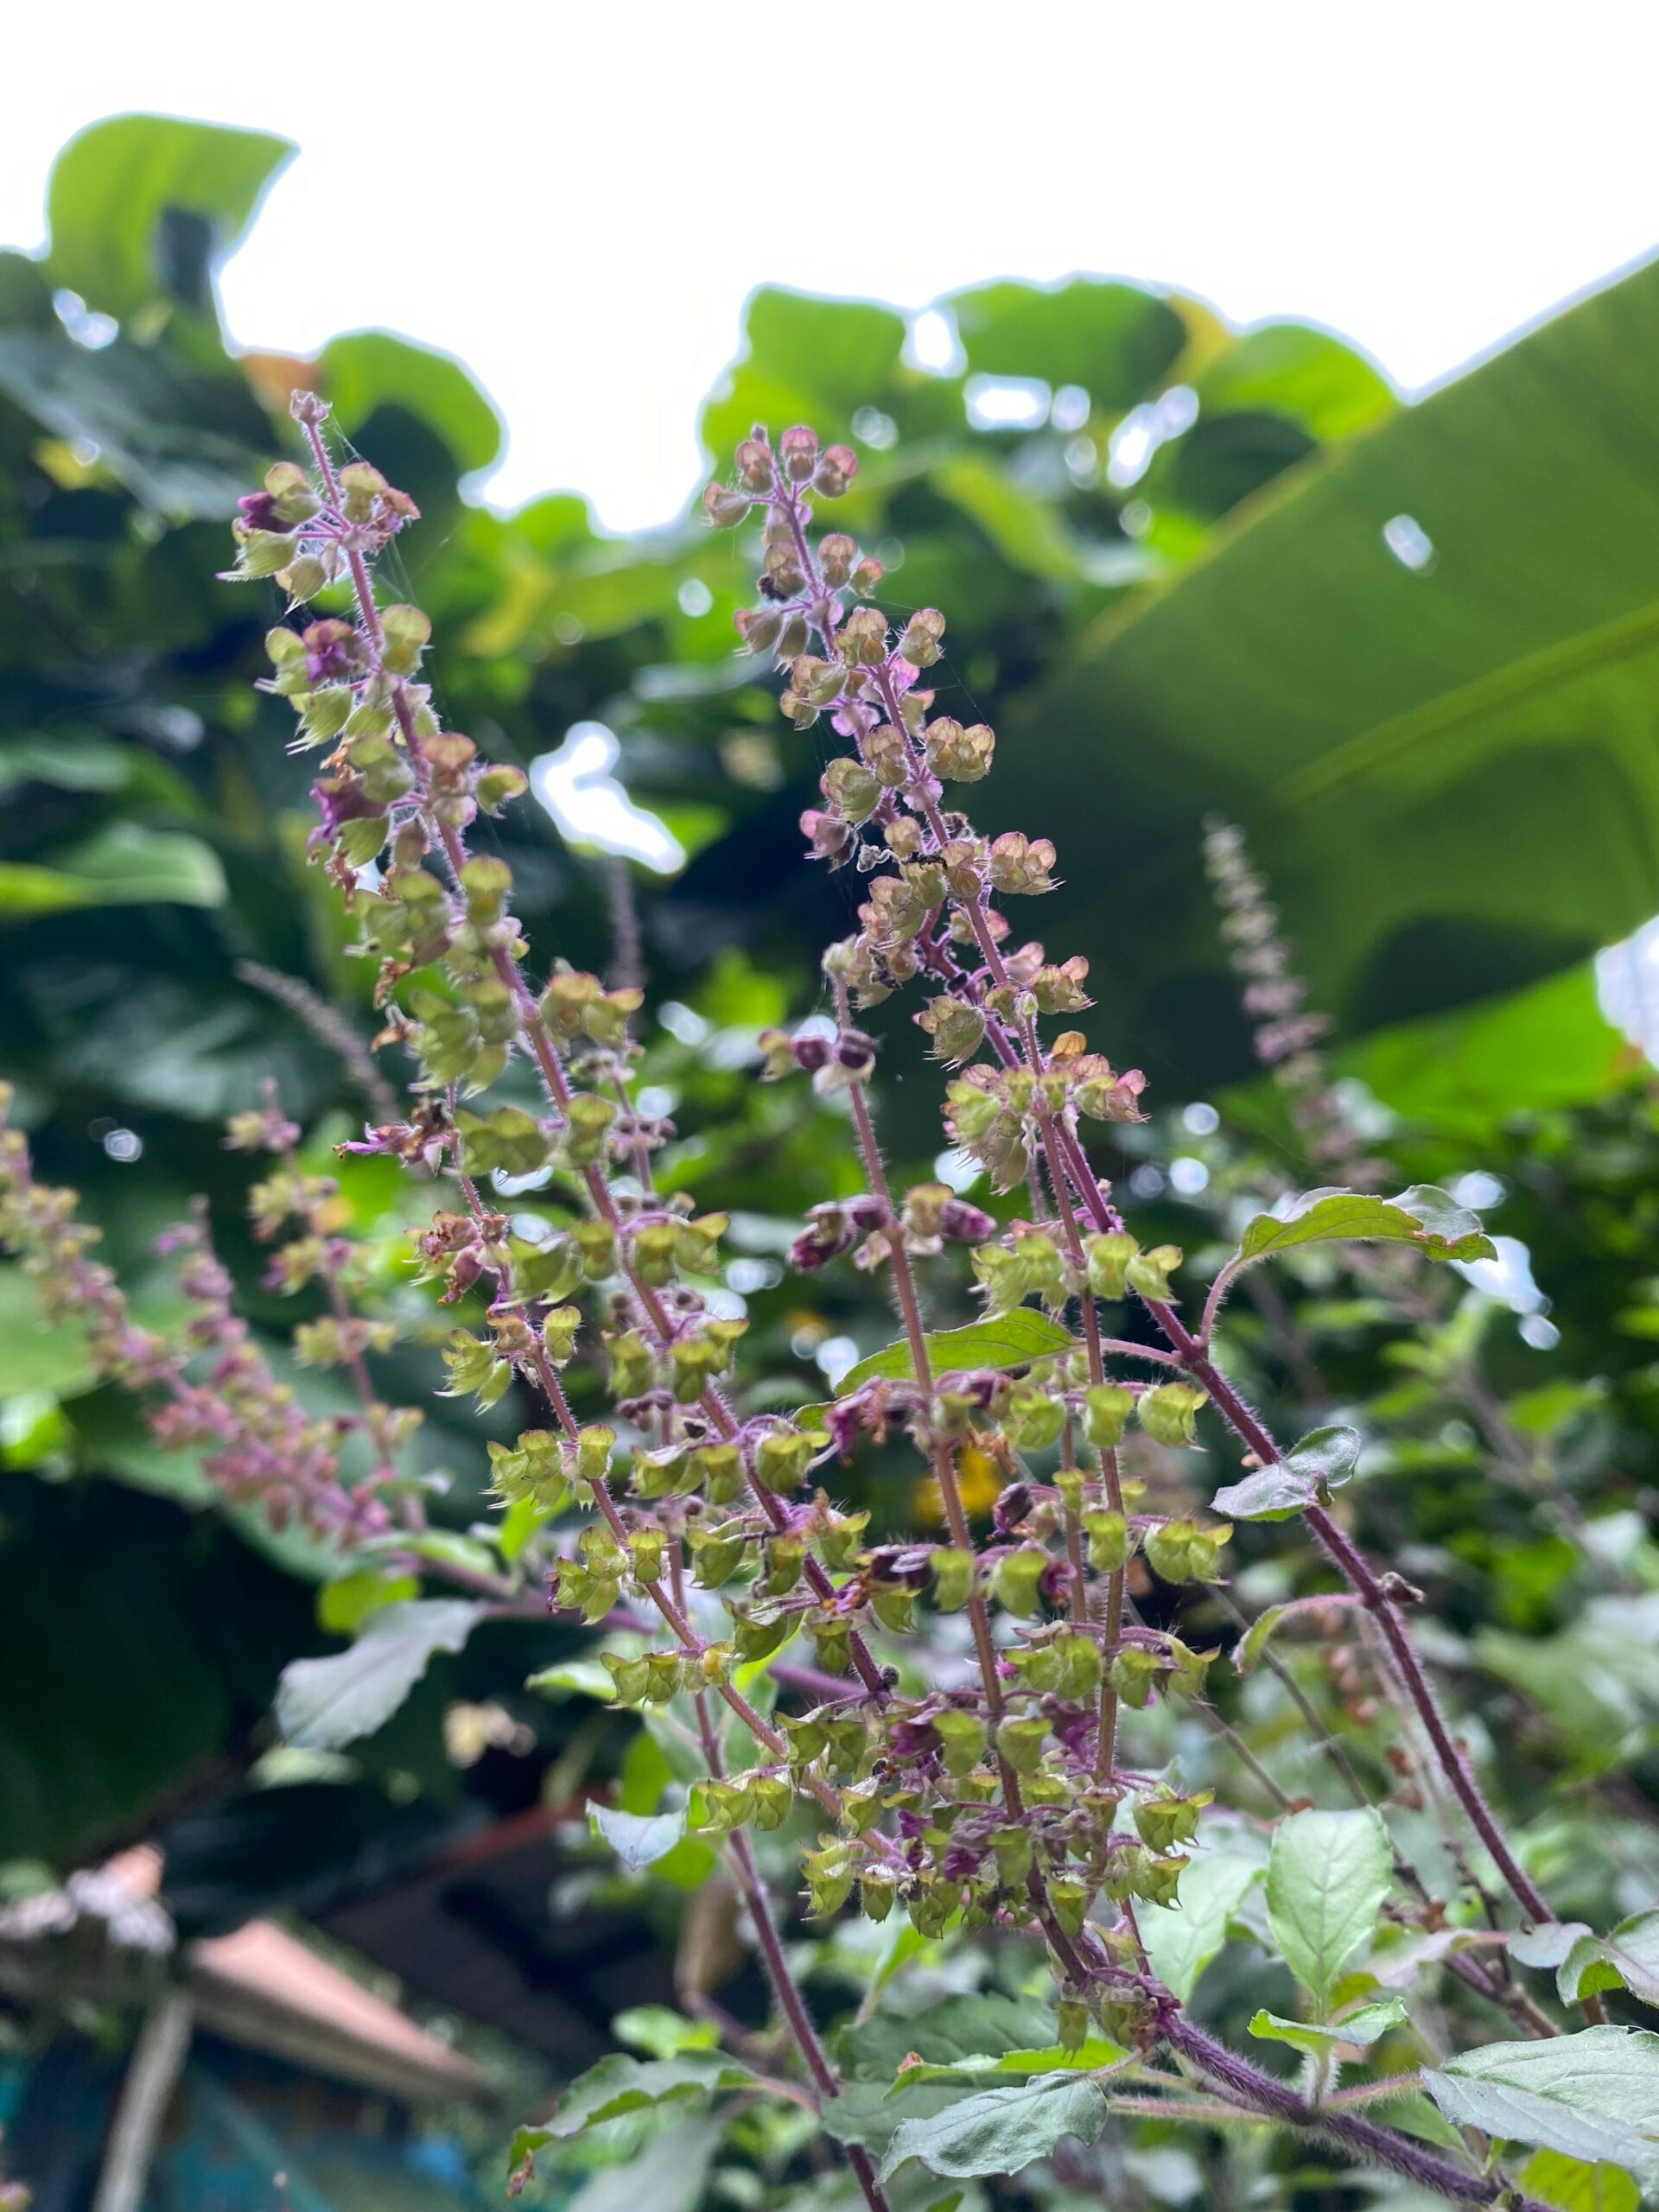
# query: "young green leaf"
x,y
1422,1217
1593,2095
1360,2028
1628,1959
619,2085
324,1703
578,1677
1321,1462
1181,1941
1002,2131
1327,1876
638,1840
1013,1340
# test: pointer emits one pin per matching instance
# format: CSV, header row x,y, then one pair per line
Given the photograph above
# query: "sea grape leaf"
x,y
1014,1340
1423,1217
1327,1876
1593,2095
1000,2130
1322,1461
324,1703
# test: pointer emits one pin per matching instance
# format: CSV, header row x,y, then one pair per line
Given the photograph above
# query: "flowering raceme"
x,y
1002,1798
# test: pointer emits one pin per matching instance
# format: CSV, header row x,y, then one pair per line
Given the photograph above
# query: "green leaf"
x,y
371,368
638,1840
1000,2132
1182,1940
1572,2186
661,2032
1531,1051
1360,2028
37,1355
324,1703
579,1677
1448,772
948,2033
1117,340
1628,1959
1014,1341
114,186
1296,370
184,442
669,2175
1593,2095
1327,1876
619,2085
122,865
1253,1641
1322,1461
1422,1217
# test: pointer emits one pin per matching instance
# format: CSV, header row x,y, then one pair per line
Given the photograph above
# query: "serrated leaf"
x,y
1627,1959
324,1703
1322,1461
1000,2132
1327,1876
638,1840
1593,2095
1182,1940
1423,1217
1359,2028
1014,1340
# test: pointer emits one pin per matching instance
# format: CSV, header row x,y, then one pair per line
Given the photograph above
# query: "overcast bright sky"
x,y
576,198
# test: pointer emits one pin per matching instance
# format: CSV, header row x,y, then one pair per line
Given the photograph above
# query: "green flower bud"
x,y
1036,1667
782,1456
1072,2016
1033,1421
1134,1673
773,1799
1164,1821
1149,1273
962,1738
758,1639
1020,1743
596,1242
1166,1411
861,1806
533,1470
828,1878
1014,1580
1110,1541
831,1644
646,1549
716,1553
719,1471
1080,1665
1180,1551
1070,1899
1106,1410
496,786
895,1609
633,1369
1108,1261
783,1558
876,1895
953,1578
630,1677
806,1738
841,1539
1011,1847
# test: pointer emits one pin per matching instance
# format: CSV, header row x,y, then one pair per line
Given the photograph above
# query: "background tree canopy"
x,y
1411,649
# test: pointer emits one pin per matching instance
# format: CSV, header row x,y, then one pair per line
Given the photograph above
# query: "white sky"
x,y
576,198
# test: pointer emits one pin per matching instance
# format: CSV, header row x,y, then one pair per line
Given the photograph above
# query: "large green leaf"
x,y
122,865
1117,342
112,188
1423,1217
1593,2095
1327,1876
1449,773
372,368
